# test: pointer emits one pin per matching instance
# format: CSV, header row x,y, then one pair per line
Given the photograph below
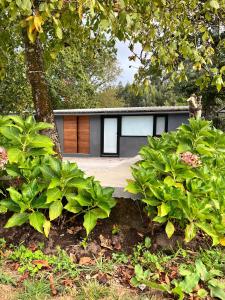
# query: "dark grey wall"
x,y
95,135
130,146
59,126
175,120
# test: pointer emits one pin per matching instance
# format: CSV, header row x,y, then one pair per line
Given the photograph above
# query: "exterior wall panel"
x,y
70,134
130,146
175,120
95,135
59,126
83,133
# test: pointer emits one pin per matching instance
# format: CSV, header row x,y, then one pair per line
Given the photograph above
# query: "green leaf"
x,y
14,155
90,220
46,226
190,232
53,195
10,205
15,196
163,210
189,283
73,206
160,219
169,181
41,141
217,292
91,217
37,220
80,183
41,126
55,210
178,291
54,183
17,219
83,200
214,4
201,269
202,293
169,229
131,187
55,164
59,32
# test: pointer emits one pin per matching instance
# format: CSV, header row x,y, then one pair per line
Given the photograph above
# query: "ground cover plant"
x,y
181,180
30,273
37,186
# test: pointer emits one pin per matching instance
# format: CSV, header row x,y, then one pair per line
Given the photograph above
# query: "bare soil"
x,y
128,216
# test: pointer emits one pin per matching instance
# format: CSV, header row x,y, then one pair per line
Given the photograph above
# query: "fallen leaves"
x,y
43,263
52,285
105,243
86,261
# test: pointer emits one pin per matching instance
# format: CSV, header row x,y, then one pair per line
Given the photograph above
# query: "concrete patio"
x,y
110,171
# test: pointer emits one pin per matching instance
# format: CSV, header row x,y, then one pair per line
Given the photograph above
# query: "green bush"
x,y
181,179
39,181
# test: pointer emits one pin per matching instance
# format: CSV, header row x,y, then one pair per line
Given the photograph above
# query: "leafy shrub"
x,y
40,181
181,180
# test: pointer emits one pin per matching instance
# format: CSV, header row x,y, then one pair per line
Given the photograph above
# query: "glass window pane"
x,y
160,125
137,125
110,135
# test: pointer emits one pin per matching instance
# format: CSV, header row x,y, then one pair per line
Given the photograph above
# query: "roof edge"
x,y
123,110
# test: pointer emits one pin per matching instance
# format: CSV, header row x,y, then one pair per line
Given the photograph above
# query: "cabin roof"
x,y
124,110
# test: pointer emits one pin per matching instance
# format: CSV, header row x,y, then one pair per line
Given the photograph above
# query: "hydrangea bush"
x,y
181,179
40,182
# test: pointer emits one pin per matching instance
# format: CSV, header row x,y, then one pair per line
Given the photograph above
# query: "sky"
x,y
123,53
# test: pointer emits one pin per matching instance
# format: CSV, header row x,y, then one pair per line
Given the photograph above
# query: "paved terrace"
x,y
110,171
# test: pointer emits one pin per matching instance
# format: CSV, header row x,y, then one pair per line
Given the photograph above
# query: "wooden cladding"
x,y
70,134
83,145
76,134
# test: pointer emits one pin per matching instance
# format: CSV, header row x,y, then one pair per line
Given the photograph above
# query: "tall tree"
x,y
77,76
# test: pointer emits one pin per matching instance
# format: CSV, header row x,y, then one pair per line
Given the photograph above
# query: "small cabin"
x,y
116,132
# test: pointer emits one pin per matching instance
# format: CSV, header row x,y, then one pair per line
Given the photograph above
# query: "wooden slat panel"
x,y
70,134
83,134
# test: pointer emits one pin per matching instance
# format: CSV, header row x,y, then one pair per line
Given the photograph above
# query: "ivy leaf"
x,y
169,229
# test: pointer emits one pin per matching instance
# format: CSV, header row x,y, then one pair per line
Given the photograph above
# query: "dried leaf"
x,y
85,261
42,262
105,243
52,285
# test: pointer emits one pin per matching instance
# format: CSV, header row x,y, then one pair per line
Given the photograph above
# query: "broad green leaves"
x,y
44,181
91,217
55,210
17,219
178,192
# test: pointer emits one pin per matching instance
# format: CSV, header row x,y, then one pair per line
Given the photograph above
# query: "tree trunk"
x,y
39,85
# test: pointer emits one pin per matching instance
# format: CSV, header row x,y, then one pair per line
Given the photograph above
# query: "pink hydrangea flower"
x,y
190,159
3,157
